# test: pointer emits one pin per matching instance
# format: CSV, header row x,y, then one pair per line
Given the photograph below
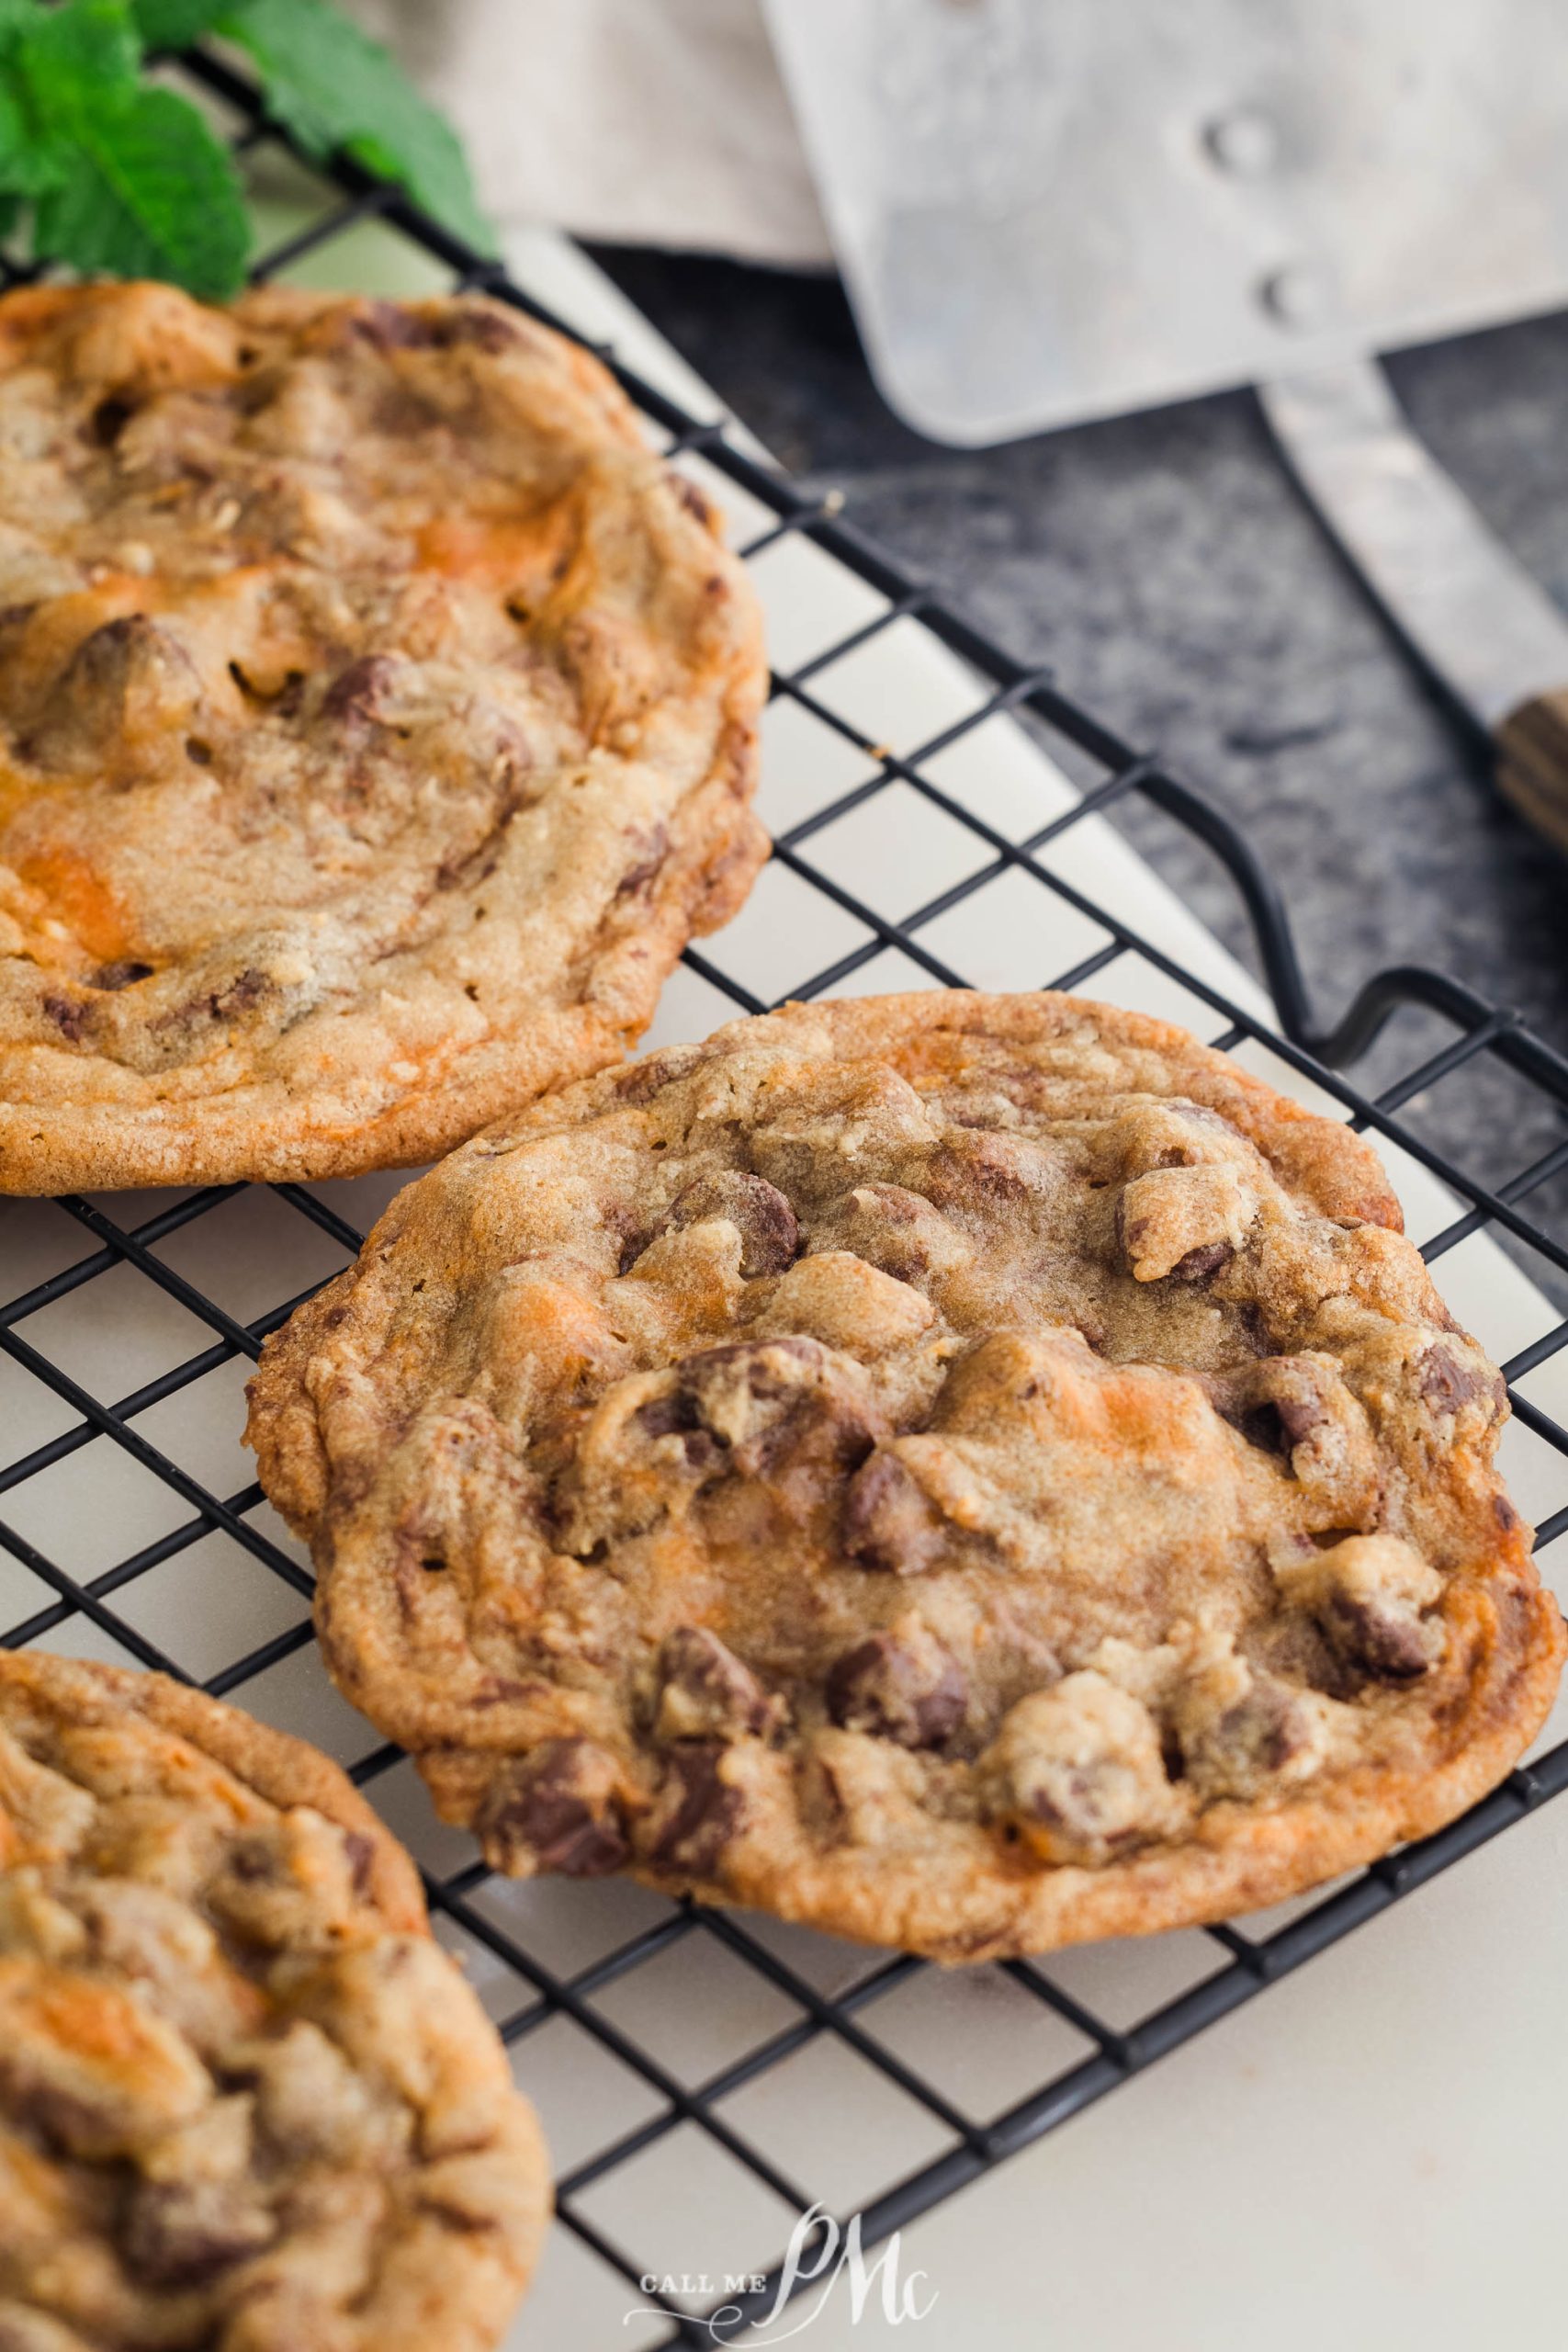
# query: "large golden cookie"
x,y
377,724
971,1472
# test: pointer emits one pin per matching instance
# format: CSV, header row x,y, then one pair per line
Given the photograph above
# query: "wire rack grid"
x,y
159,1273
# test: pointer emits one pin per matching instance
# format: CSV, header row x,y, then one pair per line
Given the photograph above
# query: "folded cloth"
x,y
657,122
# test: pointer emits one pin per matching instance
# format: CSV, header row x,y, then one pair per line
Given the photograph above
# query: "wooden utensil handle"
x,y
1533,764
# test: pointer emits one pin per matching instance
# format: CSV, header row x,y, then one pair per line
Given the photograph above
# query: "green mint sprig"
x,y
112,174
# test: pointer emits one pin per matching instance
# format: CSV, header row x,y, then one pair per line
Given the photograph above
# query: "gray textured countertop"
x,y
1166,567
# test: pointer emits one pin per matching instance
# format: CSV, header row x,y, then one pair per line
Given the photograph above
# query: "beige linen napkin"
x,y
649,121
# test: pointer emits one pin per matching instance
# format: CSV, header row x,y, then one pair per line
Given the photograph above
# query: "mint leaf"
x,y
39,52
331,86
90,46
29,164
126,179
174,24
15,16
150,193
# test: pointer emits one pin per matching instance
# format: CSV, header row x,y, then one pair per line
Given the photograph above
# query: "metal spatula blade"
x,y
1054,209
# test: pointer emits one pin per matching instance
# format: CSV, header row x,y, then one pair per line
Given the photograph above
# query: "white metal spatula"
x,y
1053,210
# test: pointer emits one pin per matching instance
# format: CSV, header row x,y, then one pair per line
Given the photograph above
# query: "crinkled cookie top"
x,y
246,2103
974,1472
377,724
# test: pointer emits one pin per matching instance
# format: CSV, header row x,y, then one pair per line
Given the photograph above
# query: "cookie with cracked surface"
x,y
971,1473
246,2102
377,724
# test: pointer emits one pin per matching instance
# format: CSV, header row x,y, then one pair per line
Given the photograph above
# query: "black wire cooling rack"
x,y
147,1256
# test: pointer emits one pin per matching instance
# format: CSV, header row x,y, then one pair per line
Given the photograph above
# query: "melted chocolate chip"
x,y
1382,1639
558,1808
653,849
1277,1403
899,1232
1447,1384
643,1081
1073,1804
697,1812
795,1411
888,1523
769,1229
253,1862
360,1848
1263,1731
705,1692
178,2232
907,1690
125,688
358,694
119,976
69,1018
664,1416
675,1415
244,991
1200,1264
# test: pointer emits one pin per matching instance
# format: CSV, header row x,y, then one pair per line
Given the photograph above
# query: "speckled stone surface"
x,y
1167,567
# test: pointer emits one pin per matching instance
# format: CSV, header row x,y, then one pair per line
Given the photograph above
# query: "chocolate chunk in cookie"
x,y
901,1684
769,1229
1369,1594
559,1810
695,1813
705,1692
888,1522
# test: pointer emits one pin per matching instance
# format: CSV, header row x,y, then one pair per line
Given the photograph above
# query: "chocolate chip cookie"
x,y
246,2103
377,724
974,1472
